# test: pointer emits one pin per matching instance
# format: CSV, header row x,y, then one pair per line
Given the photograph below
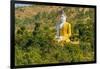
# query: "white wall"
x,y
5,34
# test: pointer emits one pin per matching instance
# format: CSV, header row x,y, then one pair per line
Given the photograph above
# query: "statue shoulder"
x,y
67,23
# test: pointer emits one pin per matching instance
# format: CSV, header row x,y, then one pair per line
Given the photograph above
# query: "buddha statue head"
x,y
62,16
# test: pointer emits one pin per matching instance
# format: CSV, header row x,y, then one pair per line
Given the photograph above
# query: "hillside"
x,y
35,33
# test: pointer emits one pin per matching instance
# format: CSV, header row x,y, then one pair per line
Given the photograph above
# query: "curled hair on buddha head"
x,y
61,11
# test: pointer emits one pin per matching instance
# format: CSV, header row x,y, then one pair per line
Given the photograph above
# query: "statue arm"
x,y
69,29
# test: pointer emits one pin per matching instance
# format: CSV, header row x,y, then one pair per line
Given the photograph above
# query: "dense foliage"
x,y
35,33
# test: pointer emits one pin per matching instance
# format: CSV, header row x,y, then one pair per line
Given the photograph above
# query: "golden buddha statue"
x,y
63,29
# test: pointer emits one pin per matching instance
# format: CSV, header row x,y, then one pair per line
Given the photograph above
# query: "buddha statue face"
x,y
62,16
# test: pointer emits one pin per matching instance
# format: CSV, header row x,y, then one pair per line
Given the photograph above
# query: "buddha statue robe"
x,y
65,32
